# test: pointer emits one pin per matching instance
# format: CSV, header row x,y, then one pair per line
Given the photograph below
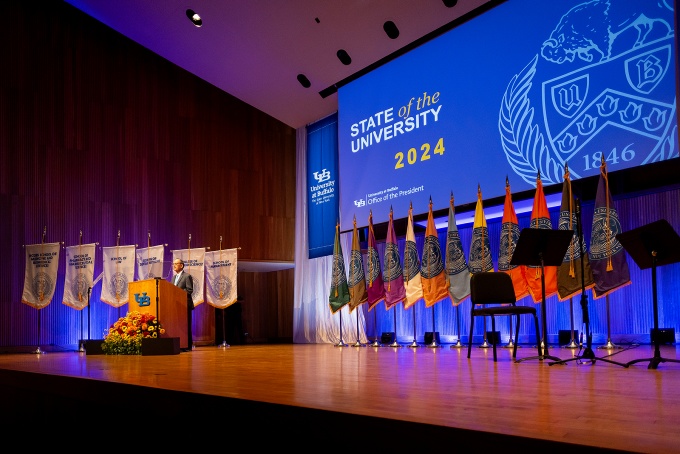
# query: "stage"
x,y
361,397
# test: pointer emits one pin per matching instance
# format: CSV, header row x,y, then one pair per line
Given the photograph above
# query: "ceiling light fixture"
x,y
391,29
450,3
194,18
304,81
344,57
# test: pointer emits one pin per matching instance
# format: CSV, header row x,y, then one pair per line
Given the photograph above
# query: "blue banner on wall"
x,y
322,185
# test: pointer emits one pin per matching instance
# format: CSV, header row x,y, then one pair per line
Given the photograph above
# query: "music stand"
x,y
650,246
541,247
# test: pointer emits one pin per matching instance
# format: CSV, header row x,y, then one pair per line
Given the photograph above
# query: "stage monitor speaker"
x,y
564,336
428,337
491,335
93,346
666,335
387,338
160,346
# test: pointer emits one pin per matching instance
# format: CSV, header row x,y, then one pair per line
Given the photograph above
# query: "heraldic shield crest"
x,y
611,106
605,80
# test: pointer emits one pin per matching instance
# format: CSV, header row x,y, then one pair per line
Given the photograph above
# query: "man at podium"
x,y
183,280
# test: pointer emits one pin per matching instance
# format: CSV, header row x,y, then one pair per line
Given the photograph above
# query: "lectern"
x,y
164,300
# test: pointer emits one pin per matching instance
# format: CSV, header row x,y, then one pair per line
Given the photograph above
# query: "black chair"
x,y
492,294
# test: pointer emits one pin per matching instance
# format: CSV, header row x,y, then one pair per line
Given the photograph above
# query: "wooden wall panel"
x,y
100,136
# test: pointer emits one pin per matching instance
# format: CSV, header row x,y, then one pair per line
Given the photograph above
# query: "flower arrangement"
x,y
125,336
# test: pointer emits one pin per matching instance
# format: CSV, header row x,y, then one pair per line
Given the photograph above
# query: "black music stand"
x,y
650,246
541,247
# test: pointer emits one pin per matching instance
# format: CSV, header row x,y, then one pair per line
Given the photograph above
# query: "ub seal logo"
x,y
606,88
392,264
455,259
605,234
509,239
80,285
411,262
480,255
574,250
356,268
118,285
373,265
220,287
432,263
42,285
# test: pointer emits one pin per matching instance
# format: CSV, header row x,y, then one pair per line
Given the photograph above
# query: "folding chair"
x,y
492,294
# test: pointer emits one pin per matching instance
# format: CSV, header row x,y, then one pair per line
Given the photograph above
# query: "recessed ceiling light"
x,y
304,81
194,18
391,29
344,57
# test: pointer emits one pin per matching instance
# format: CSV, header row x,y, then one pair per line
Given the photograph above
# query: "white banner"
x,y
79,275
119,271
42,263
220,273
150,262
193,264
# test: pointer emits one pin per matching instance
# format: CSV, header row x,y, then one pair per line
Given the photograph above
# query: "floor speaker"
x,y
492,336
387,338
564,336
160,346
666,335
428,337
93,346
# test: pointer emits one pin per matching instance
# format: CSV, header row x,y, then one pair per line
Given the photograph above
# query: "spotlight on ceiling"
x,y
450,3
304,81
391,29
344,57
194,18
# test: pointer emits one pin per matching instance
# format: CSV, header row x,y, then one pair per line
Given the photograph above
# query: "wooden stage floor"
x,y
407,399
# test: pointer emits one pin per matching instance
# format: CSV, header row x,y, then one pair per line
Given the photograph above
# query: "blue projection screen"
x,y
525,88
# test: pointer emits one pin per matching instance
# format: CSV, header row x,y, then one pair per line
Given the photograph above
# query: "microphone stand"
x,y
158,318
588,351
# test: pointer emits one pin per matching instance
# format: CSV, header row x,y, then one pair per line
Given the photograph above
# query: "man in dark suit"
x,y
183,280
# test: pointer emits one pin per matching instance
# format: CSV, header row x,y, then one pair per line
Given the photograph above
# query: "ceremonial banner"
x,y
607,256
480,249
540,219
194,264
412,279
221,268
433,275
357,277
322,188
79,275
119,271
395,292
457,271
569,272
40,277
376,286
339,294
150,262
509,236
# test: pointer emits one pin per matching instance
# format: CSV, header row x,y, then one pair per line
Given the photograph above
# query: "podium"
x,y
164,300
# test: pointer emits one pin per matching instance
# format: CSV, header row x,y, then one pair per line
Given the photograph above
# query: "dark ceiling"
x,y
255,49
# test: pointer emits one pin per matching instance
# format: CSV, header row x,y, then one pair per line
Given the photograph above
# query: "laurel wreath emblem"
x,y
522,141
